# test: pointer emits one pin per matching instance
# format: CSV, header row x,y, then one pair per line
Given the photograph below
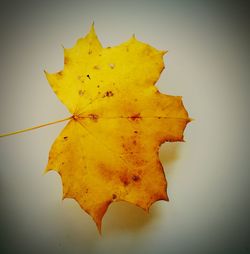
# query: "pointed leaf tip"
x,y
99,227
92,29
163,52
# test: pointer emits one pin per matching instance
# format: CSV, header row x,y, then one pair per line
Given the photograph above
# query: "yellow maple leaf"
x,y
109,149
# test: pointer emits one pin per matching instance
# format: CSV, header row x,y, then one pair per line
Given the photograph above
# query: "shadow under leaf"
x,y
169,152
123,216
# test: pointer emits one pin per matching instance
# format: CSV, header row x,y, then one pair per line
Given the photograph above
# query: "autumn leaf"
x,y
109,149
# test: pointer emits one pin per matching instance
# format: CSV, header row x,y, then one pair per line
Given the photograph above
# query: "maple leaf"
x,y
108,151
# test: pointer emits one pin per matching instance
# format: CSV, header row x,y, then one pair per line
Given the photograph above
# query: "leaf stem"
x,y
34,127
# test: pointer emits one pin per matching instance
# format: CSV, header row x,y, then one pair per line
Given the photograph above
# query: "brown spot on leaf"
x,y
114,196
124,180
96,67
81,92
139,162
66,60
125,147
88,76
112,66
108,94
136,178
93,117
65,138
135,117
81,78
60,74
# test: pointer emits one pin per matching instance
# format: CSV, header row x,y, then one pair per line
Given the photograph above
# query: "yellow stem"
x,y
33,128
